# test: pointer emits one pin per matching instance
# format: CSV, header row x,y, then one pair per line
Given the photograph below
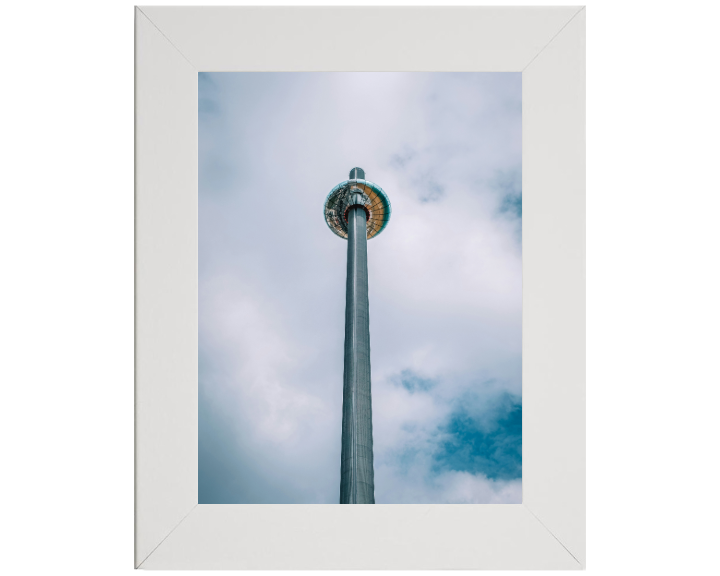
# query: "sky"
x,y
445,284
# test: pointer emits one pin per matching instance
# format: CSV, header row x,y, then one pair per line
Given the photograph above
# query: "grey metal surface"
x,y
357,173
357,484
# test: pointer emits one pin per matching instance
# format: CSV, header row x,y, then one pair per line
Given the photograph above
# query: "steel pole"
x,y
357,485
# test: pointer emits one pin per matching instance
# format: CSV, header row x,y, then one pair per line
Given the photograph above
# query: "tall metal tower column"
x,y
358,210
356,472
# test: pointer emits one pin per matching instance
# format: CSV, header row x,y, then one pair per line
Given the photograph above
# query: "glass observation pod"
x,y
378,209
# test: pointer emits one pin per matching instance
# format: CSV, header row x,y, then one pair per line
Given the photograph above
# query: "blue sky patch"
x,y
414,383
509,184
478,442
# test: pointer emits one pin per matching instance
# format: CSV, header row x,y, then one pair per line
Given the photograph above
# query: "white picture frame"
x,y
546,531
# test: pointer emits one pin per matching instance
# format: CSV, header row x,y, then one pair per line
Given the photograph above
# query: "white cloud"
x,y
465,488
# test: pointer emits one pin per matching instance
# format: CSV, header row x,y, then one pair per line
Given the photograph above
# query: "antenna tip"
x,y
356,173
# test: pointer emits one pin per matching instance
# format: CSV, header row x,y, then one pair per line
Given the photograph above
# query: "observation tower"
x,y
357,210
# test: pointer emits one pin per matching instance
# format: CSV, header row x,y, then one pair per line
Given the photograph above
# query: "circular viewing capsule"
x,y
375,202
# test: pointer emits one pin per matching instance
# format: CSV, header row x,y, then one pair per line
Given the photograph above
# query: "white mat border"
x,y
548,529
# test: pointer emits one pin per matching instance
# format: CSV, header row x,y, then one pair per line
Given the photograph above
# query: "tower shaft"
x,y
357,484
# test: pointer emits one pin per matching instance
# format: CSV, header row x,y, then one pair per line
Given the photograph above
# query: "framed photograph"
x,y
453,139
